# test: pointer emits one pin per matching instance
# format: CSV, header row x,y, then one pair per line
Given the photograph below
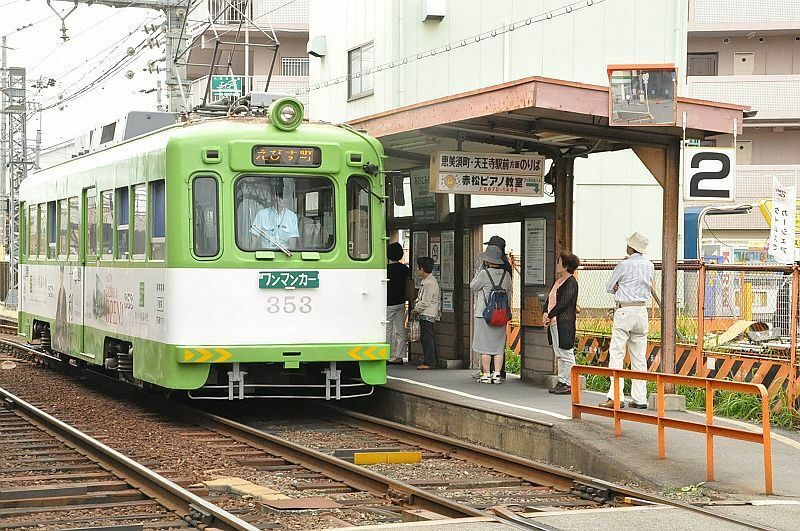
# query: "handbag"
x,y
413,330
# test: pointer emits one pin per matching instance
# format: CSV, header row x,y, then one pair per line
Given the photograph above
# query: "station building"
x,y
531,78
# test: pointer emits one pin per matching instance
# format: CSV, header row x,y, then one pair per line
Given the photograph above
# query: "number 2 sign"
x,y
709,174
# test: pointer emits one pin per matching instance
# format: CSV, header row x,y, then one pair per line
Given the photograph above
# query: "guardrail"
x,y
662,422
715,304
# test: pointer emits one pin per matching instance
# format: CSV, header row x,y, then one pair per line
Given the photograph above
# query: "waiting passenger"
x,y
396,296
276,225
559,318
426,308
489,341
631,283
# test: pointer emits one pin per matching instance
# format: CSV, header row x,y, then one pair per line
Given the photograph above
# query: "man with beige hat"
x,y
631,283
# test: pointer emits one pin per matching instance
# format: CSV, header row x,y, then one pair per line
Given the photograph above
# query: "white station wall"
x,y
575,47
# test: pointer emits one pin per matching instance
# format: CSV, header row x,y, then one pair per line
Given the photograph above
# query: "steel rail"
x,y
183,502
511,464
338,469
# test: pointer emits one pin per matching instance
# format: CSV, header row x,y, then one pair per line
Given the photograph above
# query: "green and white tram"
x,y
233,257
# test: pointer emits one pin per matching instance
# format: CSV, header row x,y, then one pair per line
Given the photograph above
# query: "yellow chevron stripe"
x,y
382,353
187,354
223,355
206,355
368,353
354,353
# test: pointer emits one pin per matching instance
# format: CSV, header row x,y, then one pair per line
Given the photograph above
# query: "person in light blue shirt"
x,y
275,225
631,283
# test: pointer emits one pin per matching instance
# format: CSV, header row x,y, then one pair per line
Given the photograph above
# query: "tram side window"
x,y
158,220
63,221
205,218
52,225
107,213
74,227
139,221
359,243
42,214
91,223
122,215
33,230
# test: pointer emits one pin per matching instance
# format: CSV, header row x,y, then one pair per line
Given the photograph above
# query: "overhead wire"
x,y
49,54
460,43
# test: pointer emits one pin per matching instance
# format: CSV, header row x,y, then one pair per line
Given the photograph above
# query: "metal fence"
x,y
743,332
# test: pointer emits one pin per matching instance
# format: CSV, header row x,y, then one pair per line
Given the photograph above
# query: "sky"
x,y
99,38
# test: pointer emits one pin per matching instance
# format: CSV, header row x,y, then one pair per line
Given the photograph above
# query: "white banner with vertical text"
x,y
782,231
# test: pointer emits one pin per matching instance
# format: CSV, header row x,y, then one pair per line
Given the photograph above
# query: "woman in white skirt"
x,y
489,340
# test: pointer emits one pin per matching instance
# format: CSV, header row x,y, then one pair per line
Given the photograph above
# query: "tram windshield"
x,y
274,212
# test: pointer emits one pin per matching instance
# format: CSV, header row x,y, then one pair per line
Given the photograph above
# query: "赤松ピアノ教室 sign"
x,y
459,172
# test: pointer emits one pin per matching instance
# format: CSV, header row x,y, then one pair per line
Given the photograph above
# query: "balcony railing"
x,y
717,15
774,97
294,86
279,13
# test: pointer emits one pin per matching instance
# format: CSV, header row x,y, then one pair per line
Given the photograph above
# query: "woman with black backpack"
x,y
492,312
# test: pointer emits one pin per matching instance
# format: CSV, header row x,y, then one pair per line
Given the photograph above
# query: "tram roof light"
x,y
286,114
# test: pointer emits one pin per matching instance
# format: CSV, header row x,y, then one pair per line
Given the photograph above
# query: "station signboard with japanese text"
x,y
459,172
709,174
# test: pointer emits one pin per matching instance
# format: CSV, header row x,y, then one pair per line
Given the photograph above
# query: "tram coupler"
x,y
236,380
332,374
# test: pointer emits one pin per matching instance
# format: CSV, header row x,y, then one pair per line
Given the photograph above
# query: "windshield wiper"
x,y
277,244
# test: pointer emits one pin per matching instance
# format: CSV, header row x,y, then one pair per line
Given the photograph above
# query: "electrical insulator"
x,y
131,50
129,74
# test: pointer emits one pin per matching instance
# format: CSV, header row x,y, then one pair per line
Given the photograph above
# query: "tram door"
x,y
88,259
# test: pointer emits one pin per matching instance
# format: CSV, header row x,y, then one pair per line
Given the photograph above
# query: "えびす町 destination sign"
x,y
459,172
288,279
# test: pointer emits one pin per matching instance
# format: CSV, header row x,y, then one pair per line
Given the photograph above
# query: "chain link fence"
x,y
746,309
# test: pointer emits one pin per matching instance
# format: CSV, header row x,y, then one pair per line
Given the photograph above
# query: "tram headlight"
x,y
286,114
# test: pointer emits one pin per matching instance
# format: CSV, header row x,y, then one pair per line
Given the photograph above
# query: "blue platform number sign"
x,y
288,279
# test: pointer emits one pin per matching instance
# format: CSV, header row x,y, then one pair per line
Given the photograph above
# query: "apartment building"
x,y
256,26
748,52
379,41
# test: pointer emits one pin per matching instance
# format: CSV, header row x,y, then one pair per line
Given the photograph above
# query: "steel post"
x,y
669,257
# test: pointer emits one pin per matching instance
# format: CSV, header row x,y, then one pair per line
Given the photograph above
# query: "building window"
x,y
358,223
360,62
139,221
158,220
91,223
107,220
74,227
205,217
294,66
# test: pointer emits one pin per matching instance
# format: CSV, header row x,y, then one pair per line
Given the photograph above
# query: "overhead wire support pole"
x,y
177,41
16,111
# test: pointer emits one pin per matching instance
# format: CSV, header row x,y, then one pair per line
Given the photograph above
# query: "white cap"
x,y
637,242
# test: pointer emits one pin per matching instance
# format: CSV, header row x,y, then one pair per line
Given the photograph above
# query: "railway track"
x,y
8,326
455,479
54,475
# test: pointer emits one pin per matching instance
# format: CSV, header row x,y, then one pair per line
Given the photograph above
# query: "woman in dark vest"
x,y
559,317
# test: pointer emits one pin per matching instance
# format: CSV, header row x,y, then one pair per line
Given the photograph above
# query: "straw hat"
x,y
637,242
493,255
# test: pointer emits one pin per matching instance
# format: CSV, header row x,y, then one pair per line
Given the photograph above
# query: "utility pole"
x,y
16,111
177,40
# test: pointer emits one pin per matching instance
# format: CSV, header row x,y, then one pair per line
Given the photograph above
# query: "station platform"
x,y
526,420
